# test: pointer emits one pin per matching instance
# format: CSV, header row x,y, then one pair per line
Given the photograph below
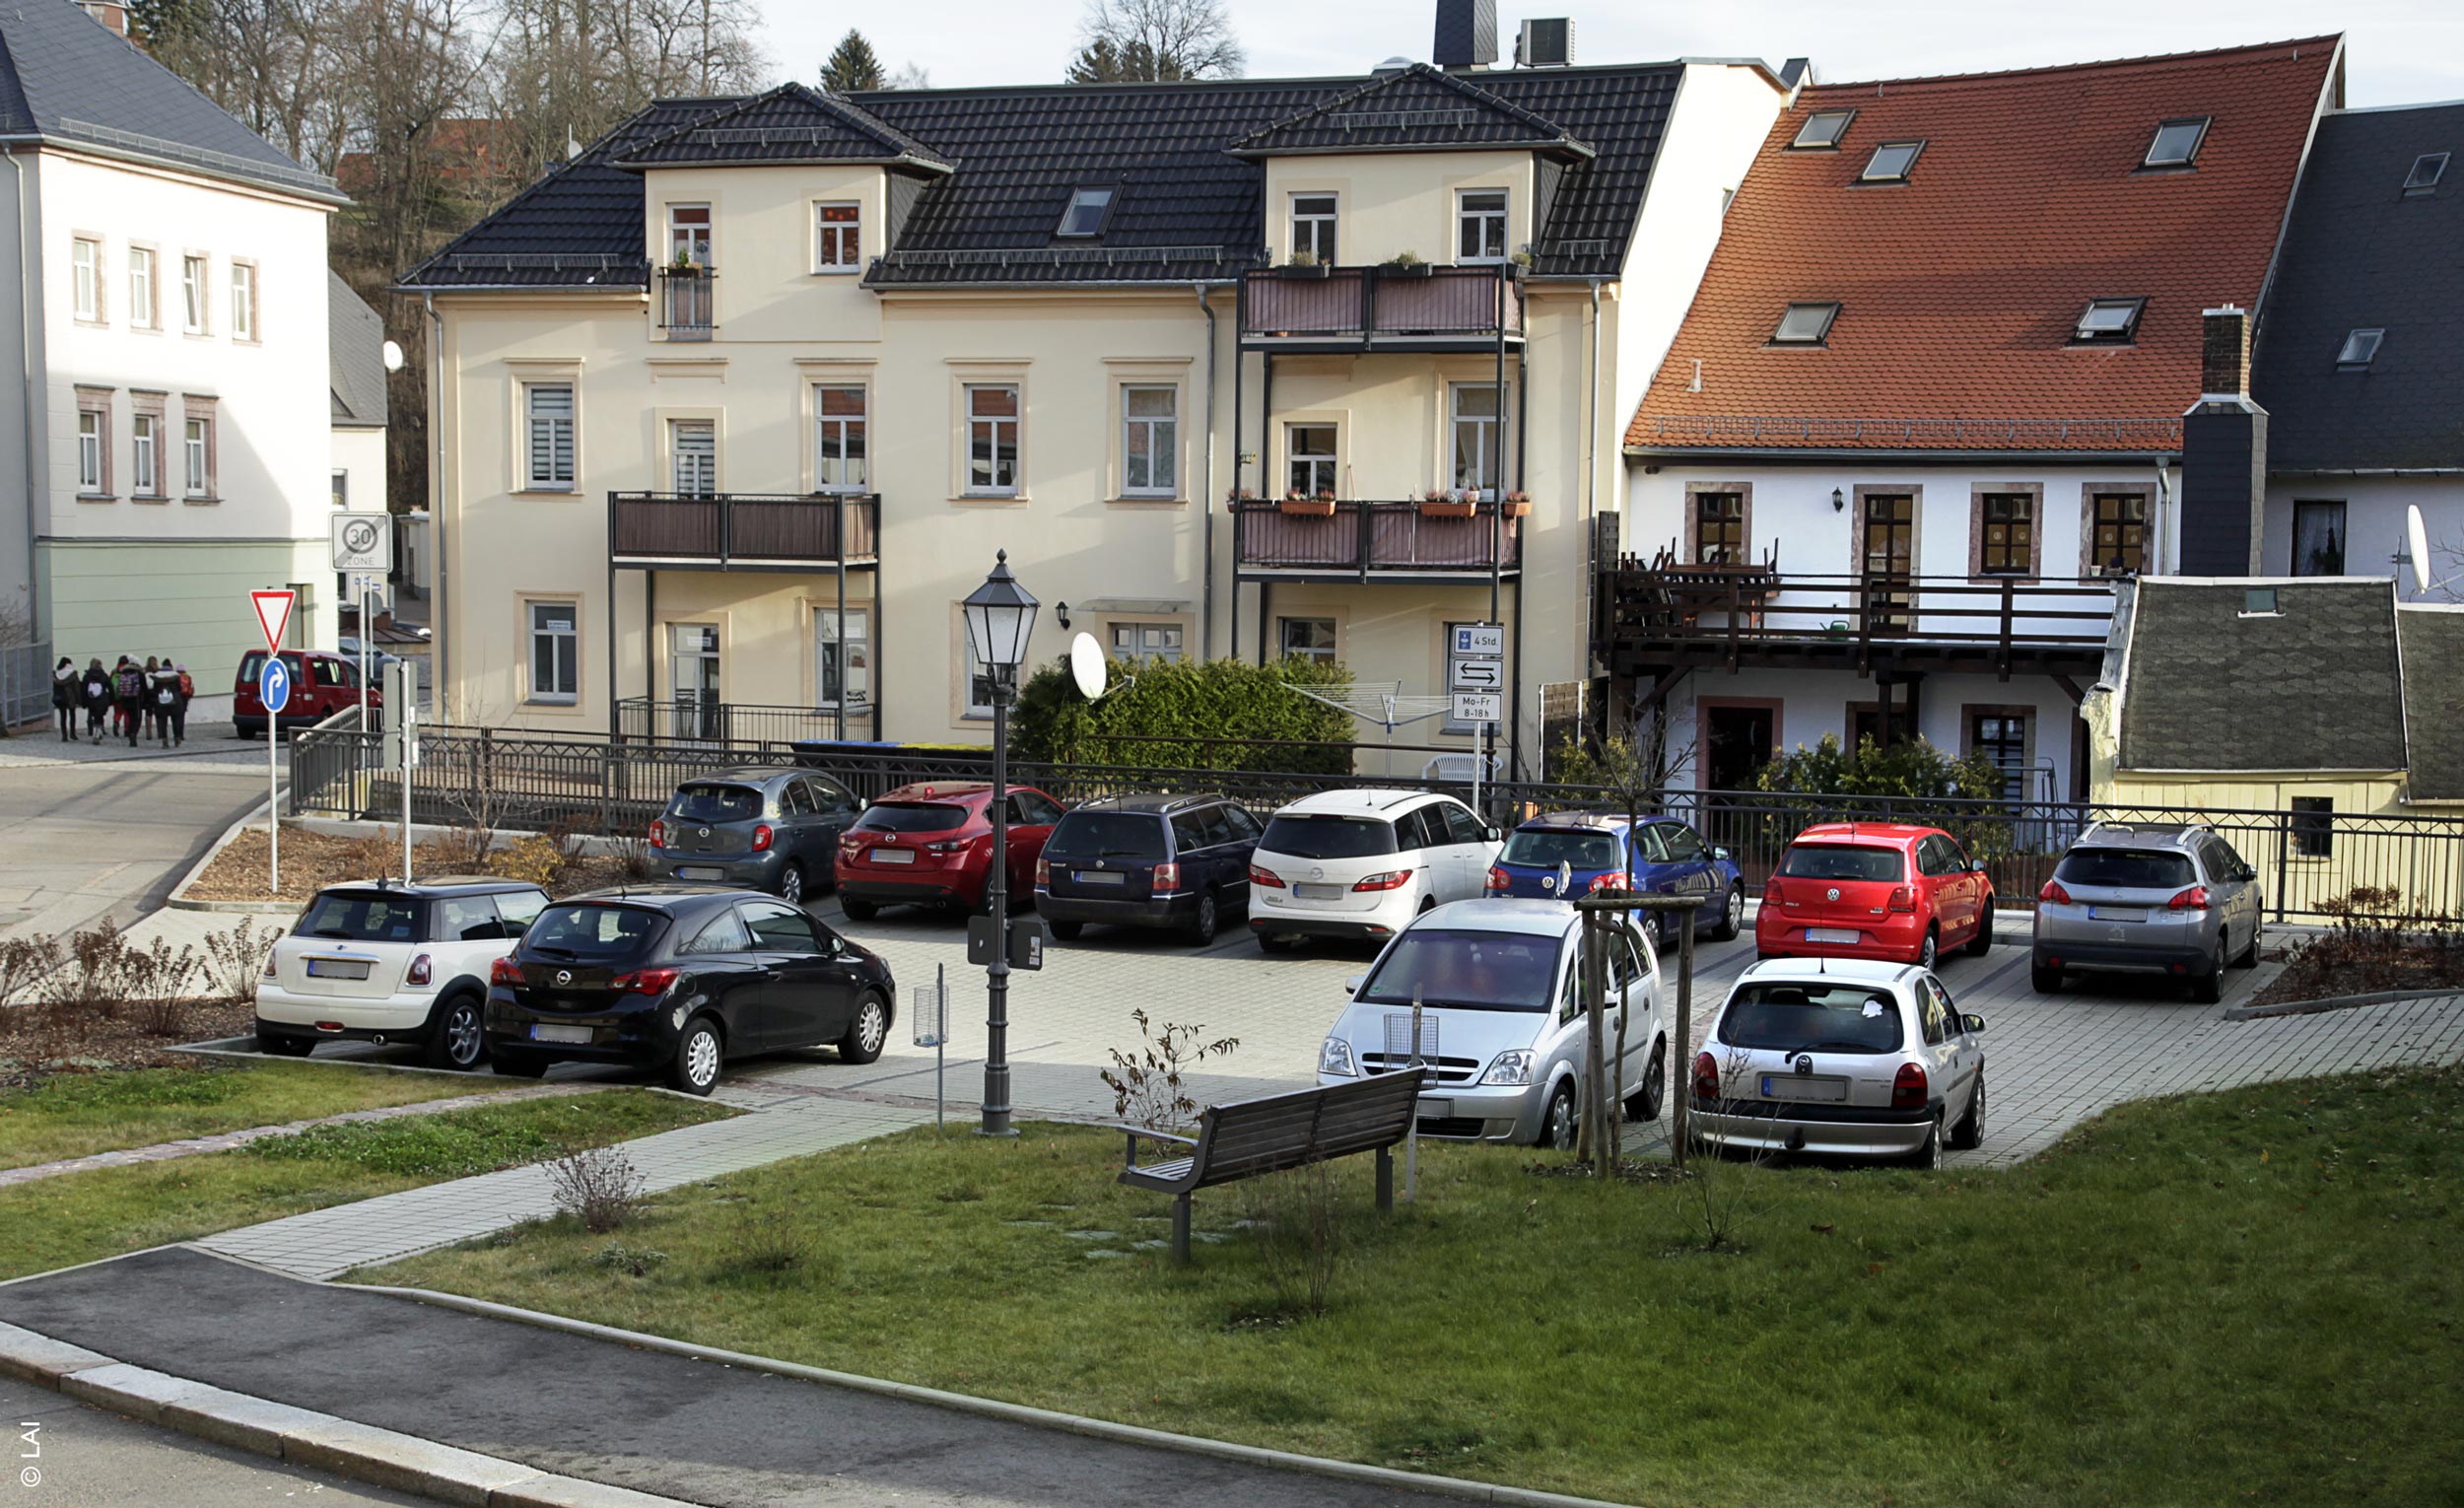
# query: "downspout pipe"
x,y
442,612
30,367
1206,491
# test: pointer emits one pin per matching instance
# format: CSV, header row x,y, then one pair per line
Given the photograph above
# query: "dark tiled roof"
x,y
1188,209
65,78
2362,255
1959,288
793,123
1417,107
354,357
2434,700
2315,688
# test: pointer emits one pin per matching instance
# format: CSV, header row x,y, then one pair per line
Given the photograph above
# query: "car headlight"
x,y
1511,1070
1335,1057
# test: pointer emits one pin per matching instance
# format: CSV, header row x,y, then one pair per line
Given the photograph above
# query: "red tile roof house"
x,y
1936,385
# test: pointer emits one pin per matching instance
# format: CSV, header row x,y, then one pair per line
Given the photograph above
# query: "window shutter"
x,y
697,457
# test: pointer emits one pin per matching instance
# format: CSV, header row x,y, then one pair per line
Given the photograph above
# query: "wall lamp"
x,y
1839,503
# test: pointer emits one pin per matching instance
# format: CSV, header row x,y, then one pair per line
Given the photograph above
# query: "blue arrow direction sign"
x,y
273,685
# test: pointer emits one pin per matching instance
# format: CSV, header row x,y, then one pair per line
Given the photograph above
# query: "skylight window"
x,y
2109,322
1890,162
2360,348
2427,169
2177,143
1823,129
1805,324
1088,209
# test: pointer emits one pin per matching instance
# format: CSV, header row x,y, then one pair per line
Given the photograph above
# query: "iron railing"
x,y
24,682
1373,305
650,719
685,303
742,528
1366,539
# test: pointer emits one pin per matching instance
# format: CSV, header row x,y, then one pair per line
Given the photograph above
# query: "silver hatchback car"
x,y
2148,899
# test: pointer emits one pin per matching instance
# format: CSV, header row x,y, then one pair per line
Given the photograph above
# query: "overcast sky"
x,y
2399,51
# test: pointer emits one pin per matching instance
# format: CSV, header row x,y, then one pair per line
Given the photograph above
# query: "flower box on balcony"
x,y
1406,269
1516,506
1449,505
1303,270
1295,506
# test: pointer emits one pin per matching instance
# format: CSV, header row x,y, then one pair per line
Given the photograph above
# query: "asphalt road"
x,y
80,1457
81,841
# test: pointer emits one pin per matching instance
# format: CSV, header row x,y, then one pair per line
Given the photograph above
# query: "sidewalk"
x,y
210,744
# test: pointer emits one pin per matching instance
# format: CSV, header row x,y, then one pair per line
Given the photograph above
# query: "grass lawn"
x,y
76,1115
2250,1295
84,1216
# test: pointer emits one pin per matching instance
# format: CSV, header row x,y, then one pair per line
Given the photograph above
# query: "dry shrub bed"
x,y
2374,940
312,861
93,1000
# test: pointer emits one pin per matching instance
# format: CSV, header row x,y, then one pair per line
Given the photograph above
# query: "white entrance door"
x,y
843,665
696,661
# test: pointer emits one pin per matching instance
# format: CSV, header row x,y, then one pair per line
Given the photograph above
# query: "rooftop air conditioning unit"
x,y
1546,43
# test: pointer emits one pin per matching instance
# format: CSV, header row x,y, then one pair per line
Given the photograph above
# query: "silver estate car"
x,y
1843,1057
2148,899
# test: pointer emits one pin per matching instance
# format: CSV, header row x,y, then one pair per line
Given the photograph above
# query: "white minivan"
x,y
1499,987
1362,864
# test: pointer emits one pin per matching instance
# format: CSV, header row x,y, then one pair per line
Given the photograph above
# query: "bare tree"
x,y
909,75
1155,40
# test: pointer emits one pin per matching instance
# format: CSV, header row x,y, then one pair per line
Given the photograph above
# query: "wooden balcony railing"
x,y
1365,540
1371,307
725,530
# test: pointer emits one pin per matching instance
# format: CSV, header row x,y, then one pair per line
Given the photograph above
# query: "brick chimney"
x,y
2224,454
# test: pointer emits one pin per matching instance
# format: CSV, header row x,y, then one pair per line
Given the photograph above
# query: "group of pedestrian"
x,y
139,702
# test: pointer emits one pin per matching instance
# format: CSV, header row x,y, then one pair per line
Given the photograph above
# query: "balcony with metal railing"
x,y
1419,307
686,307
743,531
1368,542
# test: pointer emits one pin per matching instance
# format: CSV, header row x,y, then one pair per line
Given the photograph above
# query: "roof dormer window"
x,y
1805,324
2108,322
1821,131
1890,162
2427,169
2360,348
1088,209
2177,143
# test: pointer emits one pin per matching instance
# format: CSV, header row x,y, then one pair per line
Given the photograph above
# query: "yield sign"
x,y
273,614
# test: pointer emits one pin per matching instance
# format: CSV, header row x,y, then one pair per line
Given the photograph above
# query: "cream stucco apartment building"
x,y
167,427
736,406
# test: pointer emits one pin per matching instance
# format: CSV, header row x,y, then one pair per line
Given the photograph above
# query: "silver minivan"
x,y
2148,899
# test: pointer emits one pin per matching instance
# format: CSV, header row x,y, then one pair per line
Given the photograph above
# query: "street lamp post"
x,y
1000,614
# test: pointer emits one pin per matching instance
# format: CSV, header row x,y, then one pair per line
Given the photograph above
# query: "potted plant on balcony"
x,y
1438,503
1300,505
1405,264
1518,504
1304,264
684,266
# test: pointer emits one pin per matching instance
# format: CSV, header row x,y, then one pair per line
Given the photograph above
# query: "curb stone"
x,y
181,900
2337,1002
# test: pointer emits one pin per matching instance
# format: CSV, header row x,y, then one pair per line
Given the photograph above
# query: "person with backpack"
x,y
162,698
128,698
66,695
95,691
185,690
147,715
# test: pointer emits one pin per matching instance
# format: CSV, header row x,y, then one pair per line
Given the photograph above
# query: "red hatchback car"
x,y
931,845
1875,890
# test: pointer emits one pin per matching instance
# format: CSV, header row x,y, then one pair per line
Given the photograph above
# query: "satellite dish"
x,y
1087,666
2416,541
393,357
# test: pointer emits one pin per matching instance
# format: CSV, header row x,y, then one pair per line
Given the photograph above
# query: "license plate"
x,y
1085,878
1833,934
893,856
1318,892
540,1031
699,872
1799,1086
2117,913
336,968
1436,1109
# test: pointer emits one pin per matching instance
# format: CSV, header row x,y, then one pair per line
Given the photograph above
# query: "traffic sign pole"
x,y
273,693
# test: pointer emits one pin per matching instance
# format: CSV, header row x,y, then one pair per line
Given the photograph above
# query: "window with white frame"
x,y
1150,440
1309,459
1474,426
242,301
90,449
1313,228
548,417
554,652
842,664
992,438
1159,642
838,450
1309,638
1481,225
141,306
145,436
86,257
694,447
193,293
688,235
837,237
197,450
979,680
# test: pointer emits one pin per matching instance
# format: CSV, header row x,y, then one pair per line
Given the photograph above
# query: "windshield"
x,y
716,803
1812,1017
1108,834
911,817
599,934
1486,971
348,916
1546,850
1328,837
2125,869
1844,862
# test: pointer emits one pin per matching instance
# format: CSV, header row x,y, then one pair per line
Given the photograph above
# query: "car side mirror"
x,y
1490,835
1722,854
1352,984
1974,1024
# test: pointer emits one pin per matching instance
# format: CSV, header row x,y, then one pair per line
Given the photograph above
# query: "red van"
x,y
1882,890
322,685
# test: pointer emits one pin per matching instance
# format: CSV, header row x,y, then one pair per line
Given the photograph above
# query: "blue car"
x,y
1599,853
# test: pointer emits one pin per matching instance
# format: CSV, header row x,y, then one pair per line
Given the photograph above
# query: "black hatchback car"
x,y
764,829
679,977
1177,861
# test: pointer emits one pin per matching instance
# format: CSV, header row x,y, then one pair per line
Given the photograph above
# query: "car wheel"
x,y
1066,931
1930,949
1983,942
2046,980
517,1063
2209,988
285,1047
1560,1125
1969,1133
695,1067
1733,917
1927,1156
866,1034
858,911
2248,958
1203,924
456,1042
791,884
1644,1103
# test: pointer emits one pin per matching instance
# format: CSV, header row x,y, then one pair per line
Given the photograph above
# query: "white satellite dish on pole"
x,y
1089,667
393,357
2416,548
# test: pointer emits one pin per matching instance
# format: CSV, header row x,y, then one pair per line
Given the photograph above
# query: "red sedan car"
x,y
931,845
1875,890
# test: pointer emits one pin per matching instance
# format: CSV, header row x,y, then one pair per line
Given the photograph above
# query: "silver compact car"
x,y
1842,1057
1501,1020
2148,899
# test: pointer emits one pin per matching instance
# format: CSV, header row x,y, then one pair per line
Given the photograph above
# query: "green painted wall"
x,y
188,600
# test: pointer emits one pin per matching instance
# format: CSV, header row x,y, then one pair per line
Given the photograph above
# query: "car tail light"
x,y
1608,881
761,837
1043,870
504,972
1498,879
1265,877
1392,880
1167,877
1706,1078
658,835
422,971
1907,1088
1903,898
643,982
948,846
1771,894
269,967
2054,892
2193,899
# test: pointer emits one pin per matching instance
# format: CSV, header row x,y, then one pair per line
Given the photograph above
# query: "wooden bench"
x,y
1277,1132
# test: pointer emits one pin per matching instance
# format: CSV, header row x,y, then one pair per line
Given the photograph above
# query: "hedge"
x,y
1210,703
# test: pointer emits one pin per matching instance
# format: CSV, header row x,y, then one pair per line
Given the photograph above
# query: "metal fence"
x,y
2309,862
25,683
